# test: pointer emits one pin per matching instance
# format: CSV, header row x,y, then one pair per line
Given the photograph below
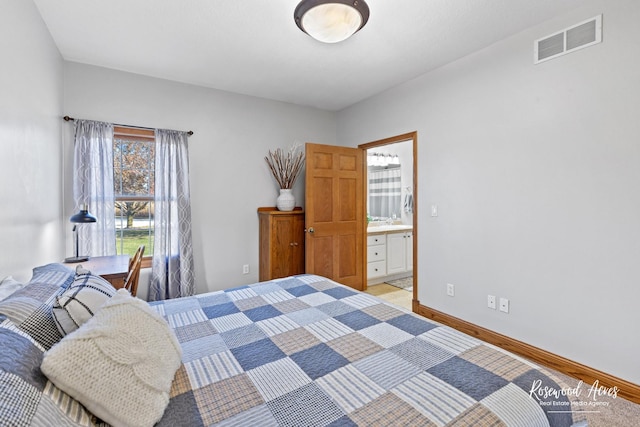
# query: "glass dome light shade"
x,y
331,21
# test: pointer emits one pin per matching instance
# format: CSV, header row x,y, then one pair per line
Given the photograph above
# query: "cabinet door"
x,y
409,240
281,243
281,249
396,253
297,245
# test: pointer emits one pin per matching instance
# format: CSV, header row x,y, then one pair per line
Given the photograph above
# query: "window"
x,y
133,180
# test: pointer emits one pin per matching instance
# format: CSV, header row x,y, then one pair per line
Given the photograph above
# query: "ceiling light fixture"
x,y
331,21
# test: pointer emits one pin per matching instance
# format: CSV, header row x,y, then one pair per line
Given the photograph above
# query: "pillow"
x,y
80,301
120,364
29,308
55,273
26,397
8,286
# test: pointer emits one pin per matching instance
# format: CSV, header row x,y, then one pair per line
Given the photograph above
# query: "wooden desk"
x,y
112,268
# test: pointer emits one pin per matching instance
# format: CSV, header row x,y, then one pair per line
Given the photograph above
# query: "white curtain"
x,y
385,190
172,271
93,186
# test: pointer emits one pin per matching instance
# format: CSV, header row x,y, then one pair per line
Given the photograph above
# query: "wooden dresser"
x,y
281,243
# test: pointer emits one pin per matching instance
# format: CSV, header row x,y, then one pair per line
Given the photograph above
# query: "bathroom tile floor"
x,y
391,294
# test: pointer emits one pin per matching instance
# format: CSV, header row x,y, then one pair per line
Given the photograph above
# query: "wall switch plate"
x,y
245,269
491,301
434,210
504,305
451,290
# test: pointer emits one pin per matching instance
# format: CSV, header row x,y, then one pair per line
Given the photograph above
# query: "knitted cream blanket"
x,y
120,364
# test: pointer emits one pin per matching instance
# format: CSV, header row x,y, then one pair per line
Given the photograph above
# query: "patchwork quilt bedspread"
x,y
306,351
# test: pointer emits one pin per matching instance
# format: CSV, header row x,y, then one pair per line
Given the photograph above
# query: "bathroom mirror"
x,y
384,185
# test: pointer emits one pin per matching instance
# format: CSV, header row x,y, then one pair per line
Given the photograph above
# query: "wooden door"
x,y
335,216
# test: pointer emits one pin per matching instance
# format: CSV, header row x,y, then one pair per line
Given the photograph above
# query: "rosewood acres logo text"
x,y
583,397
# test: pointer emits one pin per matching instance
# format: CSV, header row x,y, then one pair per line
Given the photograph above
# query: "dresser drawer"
x,y
376,239
376,253
376,269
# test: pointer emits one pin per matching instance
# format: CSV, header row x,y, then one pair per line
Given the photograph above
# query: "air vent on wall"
x,y
581,35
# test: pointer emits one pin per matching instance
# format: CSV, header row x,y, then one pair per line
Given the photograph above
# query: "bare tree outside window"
x,y
133,176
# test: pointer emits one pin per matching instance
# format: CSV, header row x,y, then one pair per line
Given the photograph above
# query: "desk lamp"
x,y
81,217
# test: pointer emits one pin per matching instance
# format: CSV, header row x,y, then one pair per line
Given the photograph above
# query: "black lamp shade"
x,y
82,217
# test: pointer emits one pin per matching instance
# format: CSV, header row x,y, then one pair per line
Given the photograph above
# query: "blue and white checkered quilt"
x,y
306,351
299,351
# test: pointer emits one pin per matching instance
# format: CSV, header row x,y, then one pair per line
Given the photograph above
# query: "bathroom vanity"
x,y
389,252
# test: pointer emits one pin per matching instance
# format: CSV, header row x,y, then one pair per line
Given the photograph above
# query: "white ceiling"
x,y
253,47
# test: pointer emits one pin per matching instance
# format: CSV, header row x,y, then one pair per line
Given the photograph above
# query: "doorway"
x,y
392,209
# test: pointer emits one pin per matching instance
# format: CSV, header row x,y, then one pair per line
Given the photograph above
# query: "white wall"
x,y
535,170
229,177
31,223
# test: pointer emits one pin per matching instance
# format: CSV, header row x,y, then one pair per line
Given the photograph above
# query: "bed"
x,y
297,351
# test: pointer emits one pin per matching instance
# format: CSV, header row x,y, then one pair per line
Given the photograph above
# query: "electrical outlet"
x,y
491,301
451,290
504,305
245,269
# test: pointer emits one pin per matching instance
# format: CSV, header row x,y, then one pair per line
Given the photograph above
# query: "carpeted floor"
x,y
609,412
405,283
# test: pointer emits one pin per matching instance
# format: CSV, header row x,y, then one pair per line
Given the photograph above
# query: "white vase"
x,y
286,200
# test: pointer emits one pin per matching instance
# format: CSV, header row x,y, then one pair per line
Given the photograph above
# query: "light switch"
x,y
451,290
434,210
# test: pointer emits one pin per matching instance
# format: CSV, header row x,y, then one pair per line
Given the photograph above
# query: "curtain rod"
x,y
67,118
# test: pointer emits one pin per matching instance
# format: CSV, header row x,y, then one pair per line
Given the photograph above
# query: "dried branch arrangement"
x,y
286,166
